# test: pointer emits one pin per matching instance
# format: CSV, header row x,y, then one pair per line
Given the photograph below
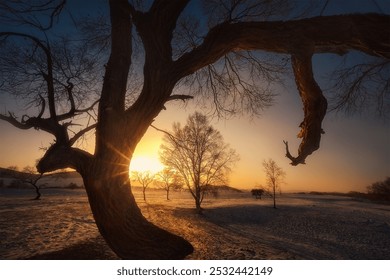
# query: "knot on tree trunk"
x,y
60,156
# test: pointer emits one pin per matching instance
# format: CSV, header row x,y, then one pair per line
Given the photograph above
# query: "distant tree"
x,y
31,177
169,179
380,189
13,167
145,178
199,154
257,193
274,175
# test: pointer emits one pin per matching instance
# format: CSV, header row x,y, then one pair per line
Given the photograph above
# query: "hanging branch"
x,y
314,106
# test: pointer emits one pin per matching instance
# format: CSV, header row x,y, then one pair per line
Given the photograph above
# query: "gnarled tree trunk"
x,y
118,131
121,223
117,216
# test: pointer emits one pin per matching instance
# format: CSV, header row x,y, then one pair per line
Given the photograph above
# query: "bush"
x,y
257,193
380,190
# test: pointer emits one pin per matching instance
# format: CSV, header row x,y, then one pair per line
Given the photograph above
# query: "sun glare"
x,y
144,163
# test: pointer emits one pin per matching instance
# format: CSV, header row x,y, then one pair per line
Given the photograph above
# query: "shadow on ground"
x,y
91,249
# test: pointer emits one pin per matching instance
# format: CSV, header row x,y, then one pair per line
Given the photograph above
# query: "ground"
x,y
232,226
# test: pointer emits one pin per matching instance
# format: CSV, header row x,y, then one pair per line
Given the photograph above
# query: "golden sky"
x,y
354,151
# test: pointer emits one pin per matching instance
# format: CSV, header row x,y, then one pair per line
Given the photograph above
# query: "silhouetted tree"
x,y
380,189
169,179
198,153
145,178
274,176
257,193
13,168
31,177
25,178
227,52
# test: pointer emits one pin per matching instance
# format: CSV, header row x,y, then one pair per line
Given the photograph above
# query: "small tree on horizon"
x,y
13,168
28,176
274,176
31,177
145,178
169,179
199,154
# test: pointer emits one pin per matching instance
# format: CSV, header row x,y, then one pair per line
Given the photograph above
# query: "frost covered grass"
x,y
232,226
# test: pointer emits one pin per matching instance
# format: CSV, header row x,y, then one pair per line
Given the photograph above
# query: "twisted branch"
x,y
314,106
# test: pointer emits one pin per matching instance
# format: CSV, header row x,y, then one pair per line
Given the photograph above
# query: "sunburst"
x,y
145,163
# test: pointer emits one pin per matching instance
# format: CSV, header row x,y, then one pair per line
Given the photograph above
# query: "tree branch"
x,y
43,103
117,67
16,14
11,119
301,38
162,16
60,156
81,133
331,34
314,106
49,64
182,97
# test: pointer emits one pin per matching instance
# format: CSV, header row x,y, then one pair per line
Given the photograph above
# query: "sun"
x,y
145,163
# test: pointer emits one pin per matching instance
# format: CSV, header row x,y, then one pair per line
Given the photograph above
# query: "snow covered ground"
x,y
233,226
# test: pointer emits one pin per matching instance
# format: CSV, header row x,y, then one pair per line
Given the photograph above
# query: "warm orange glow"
x,y
145,163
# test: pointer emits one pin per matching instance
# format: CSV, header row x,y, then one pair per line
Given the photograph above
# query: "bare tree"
x,y
32,177
145,178
169,179
198,153
274,176
13,168
210,51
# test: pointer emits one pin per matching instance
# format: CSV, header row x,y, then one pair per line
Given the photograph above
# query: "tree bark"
x,y
274,187
121,223
38,196
117,216
314,106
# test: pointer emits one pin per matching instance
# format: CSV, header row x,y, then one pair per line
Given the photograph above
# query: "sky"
x,y
354,150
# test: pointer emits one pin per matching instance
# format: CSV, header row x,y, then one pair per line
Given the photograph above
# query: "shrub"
x,y
380,188
257,193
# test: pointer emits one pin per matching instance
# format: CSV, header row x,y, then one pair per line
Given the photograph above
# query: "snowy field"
x,y
233,226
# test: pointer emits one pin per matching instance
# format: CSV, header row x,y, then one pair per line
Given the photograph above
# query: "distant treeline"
x,y
15,179
378,191
18,184
10,173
